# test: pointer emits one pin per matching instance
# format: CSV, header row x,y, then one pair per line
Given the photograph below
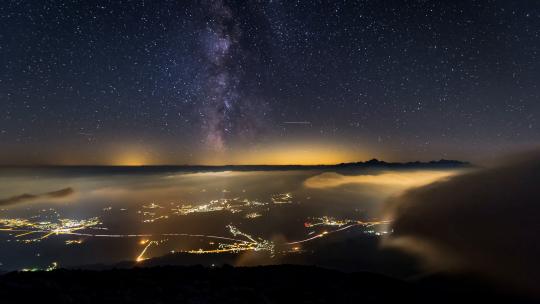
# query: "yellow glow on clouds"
x,y
404,179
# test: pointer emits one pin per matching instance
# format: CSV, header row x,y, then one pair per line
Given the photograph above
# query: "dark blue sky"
x,y
242,81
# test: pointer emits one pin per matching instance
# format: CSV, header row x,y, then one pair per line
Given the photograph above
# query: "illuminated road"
x,y
36,230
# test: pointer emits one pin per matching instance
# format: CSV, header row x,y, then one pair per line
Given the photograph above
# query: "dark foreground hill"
x,y
265,284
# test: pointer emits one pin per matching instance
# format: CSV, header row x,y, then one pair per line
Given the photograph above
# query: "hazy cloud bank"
x,y
402,179
486,222
30,197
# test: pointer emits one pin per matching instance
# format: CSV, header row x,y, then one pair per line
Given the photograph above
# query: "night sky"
x,y
215,82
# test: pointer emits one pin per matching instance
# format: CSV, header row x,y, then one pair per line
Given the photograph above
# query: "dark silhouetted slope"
x,y
265,284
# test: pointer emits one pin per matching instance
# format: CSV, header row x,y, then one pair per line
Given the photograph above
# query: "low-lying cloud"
x,y
486,222
402,179
30,197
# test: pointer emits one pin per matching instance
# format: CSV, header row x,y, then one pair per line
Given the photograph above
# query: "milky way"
x,y
187,81
221,44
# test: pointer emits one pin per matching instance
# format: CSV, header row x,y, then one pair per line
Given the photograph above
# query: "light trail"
x,y
238,242
234,249
25,233
251,244
323,234
155,235
141,256
233,230
237,246
48,233
306,240
355,224
297,122
72,228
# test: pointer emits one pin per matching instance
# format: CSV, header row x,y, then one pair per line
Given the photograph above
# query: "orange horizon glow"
x,y
284,154
291,154
133,155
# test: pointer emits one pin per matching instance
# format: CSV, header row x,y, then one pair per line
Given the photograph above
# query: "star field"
x,y
209,81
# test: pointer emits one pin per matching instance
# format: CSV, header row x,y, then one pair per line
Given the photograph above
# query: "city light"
x,y
49,223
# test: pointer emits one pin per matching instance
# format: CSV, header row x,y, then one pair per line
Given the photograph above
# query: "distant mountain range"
x,y
370,164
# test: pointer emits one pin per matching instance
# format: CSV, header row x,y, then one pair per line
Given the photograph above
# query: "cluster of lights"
x,y
248,244
73,242
253,215
153,212
51,267
233,205
151,216
282,198
152,206
25,230
240,243
377,233
326,221
24,227
342,225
